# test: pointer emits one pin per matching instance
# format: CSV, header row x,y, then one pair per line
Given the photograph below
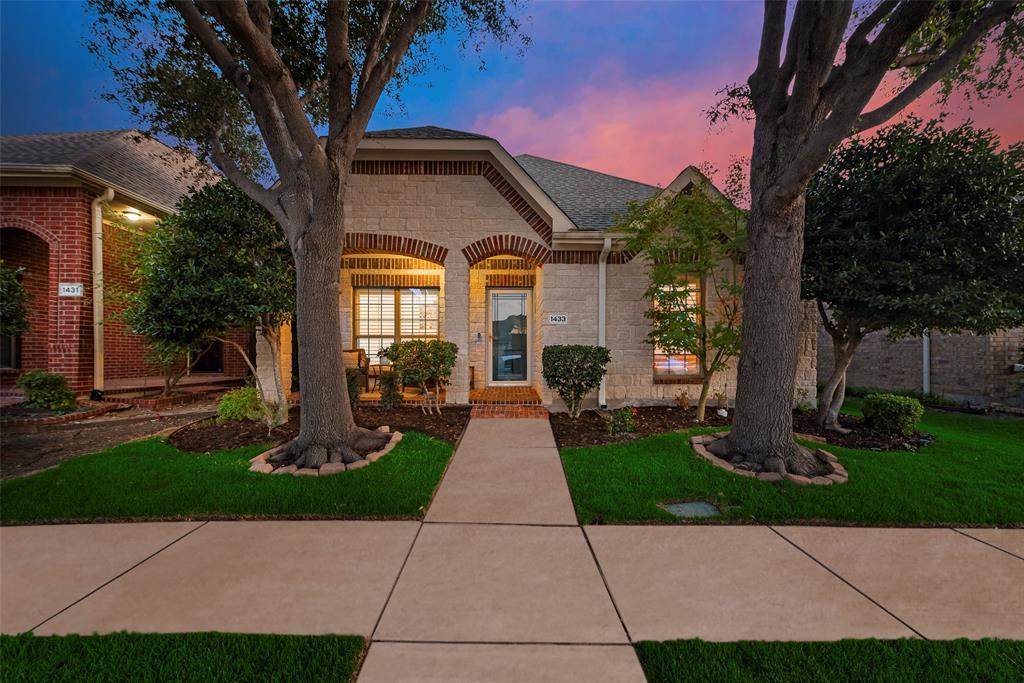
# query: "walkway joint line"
x,y
841,578
607,588
391,592
975,538
581,643
112,580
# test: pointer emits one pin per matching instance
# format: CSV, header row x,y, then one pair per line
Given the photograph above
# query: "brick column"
x,y
456,324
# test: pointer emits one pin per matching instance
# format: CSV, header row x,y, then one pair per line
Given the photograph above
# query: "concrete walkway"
x,y
499,583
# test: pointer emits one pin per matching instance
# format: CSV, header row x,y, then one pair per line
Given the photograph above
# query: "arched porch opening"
x,y
23,249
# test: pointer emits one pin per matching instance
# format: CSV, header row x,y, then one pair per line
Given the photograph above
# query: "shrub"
x,y
928,399
622,421
354,379
573,371
46,390
390,393
241,404
425,364
892,414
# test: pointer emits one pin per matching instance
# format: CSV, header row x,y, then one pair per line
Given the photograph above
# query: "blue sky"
x,y
619,87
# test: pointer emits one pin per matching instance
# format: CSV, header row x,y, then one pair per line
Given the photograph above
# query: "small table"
x,y
374,372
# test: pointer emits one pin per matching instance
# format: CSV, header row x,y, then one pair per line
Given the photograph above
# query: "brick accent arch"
x,y
460,167
28,226
371,242
506,245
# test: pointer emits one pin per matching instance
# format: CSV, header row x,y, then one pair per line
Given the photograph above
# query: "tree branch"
x,y
373,47
774,29
340,71
996,14
383,70
267,198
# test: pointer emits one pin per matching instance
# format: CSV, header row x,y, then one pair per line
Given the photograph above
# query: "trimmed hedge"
x,y
892,414
573,371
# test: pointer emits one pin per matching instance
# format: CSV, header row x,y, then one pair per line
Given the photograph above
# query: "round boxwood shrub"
x,y
241,404
46,390
573,371
892,414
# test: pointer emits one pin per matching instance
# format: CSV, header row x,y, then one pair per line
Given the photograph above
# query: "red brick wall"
x,y
60,218
21,249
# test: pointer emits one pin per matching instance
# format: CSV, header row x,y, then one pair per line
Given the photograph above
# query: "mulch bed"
x,y
591,428
862,437
21,411
207,436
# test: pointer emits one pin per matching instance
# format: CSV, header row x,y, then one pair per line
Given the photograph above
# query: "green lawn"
x,y
972,475
151,480
177,658
846,660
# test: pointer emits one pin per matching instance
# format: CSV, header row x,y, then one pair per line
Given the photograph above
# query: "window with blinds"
x,y
679,364
384,315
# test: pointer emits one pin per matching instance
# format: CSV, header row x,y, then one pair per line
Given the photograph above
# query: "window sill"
x,y
679,380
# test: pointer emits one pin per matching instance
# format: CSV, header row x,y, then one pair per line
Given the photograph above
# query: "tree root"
x,y
797,460
312,455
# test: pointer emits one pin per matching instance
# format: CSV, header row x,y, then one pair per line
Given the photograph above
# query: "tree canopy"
x,y
916,228
13,303
919,228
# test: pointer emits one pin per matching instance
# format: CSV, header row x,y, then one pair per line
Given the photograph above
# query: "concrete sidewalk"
x,y
499,583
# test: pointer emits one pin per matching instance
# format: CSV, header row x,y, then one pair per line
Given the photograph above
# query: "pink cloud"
x,y
650,131
647,132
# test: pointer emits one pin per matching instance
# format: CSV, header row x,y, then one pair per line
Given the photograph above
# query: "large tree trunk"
x,y
762,428
834,392
327,431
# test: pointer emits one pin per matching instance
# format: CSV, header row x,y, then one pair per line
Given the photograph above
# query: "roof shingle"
x,y
590,199
125,158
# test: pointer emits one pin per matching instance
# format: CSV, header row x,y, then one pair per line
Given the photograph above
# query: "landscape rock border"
x,y
838,475
261,463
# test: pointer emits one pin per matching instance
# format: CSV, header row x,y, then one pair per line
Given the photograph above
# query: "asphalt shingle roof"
x,y
425,133
589,198
124,158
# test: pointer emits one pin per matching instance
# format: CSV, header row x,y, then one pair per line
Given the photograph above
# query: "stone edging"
x,y
20,423
839,474
261,462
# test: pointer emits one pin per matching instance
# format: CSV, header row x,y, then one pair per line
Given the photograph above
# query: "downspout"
x,y
602,304
97,290
926,363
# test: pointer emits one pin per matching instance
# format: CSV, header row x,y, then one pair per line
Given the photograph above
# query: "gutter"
x,y
602,305
97,290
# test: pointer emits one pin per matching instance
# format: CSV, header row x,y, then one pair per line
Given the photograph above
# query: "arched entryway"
x,y
26,251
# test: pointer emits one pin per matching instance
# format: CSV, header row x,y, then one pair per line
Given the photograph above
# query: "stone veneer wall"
x,y
965,367
460,216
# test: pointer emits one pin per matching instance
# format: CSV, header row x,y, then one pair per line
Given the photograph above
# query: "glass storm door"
x,y
510,331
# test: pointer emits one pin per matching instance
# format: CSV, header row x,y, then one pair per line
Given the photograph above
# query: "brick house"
x,y
448,235
71,205
978,369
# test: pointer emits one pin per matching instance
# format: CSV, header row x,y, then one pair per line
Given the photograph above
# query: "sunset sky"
x,y
617,87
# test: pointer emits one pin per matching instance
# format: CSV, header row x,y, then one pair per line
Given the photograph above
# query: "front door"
x,y
509,356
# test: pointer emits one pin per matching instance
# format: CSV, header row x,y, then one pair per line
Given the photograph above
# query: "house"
x,y
448,235
978,369
71,205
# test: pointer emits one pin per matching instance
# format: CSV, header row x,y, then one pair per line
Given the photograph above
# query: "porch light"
x,y
132,215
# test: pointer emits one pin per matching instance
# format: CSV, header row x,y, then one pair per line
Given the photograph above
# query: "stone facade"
x,y
468,231
965,367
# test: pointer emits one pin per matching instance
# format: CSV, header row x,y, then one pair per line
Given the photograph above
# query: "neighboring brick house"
x,y
978,369
449,236
55,190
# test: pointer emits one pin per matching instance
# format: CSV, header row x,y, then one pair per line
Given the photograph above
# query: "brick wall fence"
x,y
964,367
47,231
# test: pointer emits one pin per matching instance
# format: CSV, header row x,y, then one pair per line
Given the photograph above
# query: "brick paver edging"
x,y
838,475
261,463
28,423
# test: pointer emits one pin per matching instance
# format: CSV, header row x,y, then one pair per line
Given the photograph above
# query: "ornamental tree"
x,y
221,262
916,228
423,363
13,303
818,71
694,243
250,86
